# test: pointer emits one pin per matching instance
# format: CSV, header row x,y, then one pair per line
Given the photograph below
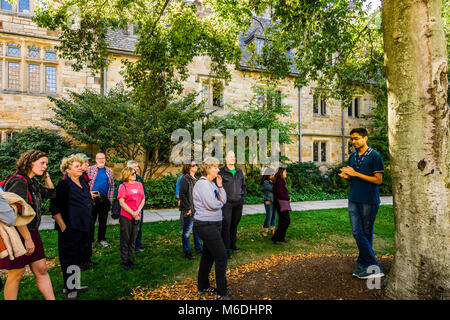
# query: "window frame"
x,y
29,79
320,152
46,66
319,105
8,80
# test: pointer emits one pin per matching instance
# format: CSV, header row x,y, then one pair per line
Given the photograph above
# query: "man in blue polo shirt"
x,y
365,172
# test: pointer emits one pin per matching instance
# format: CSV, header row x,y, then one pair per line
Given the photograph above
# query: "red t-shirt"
x,y
133,193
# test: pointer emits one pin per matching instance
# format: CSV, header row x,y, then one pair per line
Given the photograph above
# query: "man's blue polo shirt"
x,y
362,191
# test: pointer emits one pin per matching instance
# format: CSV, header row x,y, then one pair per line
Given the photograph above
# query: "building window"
x,y
323,152
319,105
34,78
13,50
50,78
259,44
212,93
14,75
34,53
24,6
11,135
6,5
319,151
354,108
356,103
50,54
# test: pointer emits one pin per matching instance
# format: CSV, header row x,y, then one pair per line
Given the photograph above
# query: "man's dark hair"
x,y
361,131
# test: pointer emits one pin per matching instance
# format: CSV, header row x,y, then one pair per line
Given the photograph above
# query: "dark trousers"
x,y
214,251
71,248
129,232
284,221
232,214
100,209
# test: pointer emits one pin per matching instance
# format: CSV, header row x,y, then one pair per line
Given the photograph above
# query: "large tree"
x,y
416,74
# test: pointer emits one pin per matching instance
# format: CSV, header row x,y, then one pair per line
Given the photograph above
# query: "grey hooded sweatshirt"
x,y
207,205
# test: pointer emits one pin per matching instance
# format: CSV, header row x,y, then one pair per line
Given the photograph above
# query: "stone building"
x,y
30,70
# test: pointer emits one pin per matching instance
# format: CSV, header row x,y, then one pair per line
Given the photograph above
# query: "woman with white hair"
x,y
71,209
209,198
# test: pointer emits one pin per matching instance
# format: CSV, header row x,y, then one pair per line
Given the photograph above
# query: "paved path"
x,y
174,214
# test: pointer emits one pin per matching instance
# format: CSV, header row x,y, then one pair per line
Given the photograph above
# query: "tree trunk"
x,y
416,72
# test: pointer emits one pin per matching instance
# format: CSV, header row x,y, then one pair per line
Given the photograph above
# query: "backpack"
x,y
2,184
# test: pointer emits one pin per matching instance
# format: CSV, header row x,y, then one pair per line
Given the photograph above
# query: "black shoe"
x,y
225,297
199,252
189,256
277,242
235,249
210,289
131,264
125,266
285,241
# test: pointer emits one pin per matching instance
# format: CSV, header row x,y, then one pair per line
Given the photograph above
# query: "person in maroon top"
x,y
280,192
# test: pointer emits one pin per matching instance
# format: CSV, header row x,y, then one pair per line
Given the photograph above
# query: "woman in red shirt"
x,y
132,199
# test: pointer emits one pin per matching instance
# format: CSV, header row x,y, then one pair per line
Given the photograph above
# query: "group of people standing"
x,y
210,207
83,195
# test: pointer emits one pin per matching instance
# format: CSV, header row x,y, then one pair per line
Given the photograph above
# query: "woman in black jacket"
x,y
187,183
31,164
71,210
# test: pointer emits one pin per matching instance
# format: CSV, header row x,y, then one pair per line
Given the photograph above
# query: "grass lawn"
x,y
318,231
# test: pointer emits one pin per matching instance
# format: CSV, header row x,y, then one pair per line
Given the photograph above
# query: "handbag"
x,y
284,205
116,208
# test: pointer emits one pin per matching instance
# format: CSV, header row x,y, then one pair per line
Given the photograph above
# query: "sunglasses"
x,y
134,173
193,165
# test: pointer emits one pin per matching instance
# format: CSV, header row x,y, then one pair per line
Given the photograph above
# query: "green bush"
x,y
161,192
56,146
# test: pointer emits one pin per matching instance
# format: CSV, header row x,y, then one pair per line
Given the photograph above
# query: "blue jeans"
x,y
188,223
362,217
271,215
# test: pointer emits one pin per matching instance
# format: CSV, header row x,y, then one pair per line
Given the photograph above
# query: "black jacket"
x,y
38,192
235,186
187,183
74,204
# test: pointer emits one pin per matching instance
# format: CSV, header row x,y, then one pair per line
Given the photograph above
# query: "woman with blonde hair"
x,y
209,198
31,164
71,209
132,200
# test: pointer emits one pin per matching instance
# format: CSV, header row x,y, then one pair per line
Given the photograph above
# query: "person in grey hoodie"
x,y
209,198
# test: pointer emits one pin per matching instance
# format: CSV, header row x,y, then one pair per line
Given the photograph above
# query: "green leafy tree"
x,y
264,111
54,144
122,128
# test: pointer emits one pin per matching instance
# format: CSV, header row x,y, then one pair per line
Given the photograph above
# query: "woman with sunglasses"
x,y
132,199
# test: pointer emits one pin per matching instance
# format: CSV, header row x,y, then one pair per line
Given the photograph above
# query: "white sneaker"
x,y
104,244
